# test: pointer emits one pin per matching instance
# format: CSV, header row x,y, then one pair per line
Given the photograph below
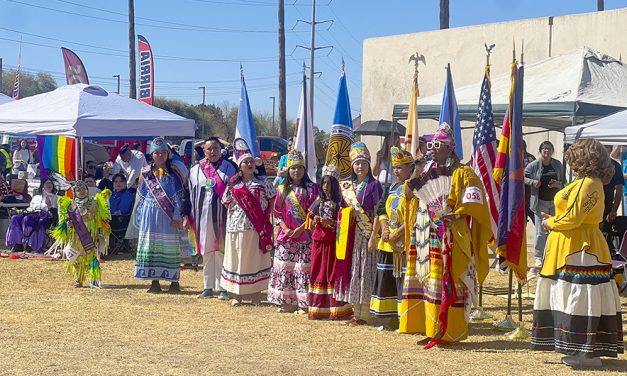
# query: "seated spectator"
x,y
105,181
121,201
47,200
19,192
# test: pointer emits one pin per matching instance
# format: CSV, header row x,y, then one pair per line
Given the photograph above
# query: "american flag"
x,y
16,86
484,146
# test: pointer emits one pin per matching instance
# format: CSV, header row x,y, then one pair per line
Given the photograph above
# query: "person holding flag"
x,y
356,243
453,194
207,184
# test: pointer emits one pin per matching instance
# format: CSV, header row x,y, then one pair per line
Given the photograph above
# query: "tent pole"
x,y
77,157
82,154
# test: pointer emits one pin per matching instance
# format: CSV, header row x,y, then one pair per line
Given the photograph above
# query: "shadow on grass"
x,y
497,346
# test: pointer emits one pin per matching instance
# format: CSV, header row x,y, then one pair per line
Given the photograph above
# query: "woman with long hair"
x,y
577,309
289,278
22,157
354,282
161,219
322,218
248,244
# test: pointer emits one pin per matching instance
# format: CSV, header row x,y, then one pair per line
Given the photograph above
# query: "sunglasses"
x,y
434,145
91,167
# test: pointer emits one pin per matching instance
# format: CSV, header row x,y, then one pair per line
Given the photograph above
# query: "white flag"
x,y
304,133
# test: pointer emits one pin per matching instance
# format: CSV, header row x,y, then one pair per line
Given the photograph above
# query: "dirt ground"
x,y
50,328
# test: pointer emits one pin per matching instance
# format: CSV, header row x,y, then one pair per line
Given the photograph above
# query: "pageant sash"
x,y
213,178
259,219
81,229
154,186
343,235
363,221
297,210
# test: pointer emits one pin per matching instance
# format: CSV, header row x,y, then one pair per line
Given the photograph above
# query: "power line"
x,y
216,29
122,52
184,27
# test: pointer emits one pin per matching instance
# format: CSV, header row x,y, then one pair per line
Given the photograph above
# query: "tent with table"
x,y
89,112
560,91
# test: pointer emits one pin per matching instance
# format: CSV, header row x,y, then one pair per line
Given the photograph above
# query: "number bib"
x,y
472,195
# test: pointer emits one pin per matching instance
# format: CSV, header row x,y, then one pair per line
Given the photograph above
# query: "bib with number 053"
x,y
472,195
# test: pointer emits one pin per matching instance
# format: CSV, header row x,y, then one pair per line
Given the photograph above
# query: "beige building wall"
x,y
387,73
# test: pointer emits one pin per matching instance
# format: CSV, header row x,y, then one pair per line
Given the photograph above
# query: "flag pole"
x,y
520,333
306,109
479,314
508,324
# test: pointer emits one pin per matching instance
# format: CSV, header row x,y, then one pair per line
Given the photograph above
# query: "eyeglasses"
x,y
434,144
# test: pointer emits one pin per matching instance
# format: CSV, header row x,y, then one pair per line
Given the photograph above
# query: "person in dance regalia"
x,y
356,267
459,232
83,233
322,218
577,310
160,216
289,279
388,283
207,183
247,260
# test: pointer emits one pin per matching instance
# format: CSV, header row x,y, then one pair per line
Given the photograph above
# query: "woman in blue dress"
x,y
160,218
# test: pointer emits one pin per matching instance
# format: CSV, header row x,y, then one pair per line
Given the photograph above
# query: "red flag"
x,y
146,71
75,72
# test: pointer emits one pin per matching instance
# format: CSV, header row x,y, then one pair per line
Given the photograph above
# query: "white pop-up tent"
x,y
610,130
559,91
5,99
89,112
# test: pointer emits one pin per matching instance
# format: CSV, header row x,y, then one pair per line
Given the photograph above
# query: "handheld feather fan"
x,y
433,188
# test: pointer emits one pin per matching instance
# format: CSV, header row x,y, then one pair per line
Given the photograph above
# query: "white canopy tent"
x,y
610,130
5,99
89,112
559,91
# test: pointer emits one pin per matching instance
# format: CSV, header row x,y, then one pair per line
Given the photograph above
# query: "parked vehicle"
x,y
271,149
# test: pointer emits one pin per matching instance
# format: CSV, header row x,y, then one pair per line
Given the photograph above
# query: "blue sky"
x,y
195,37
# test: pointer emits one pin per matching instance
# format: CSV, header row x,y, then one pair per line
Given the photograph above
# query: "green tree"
x,y
30,84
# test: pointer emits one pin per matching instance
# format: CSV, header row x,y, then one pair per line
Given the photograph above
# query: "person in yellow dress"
x,y
458,234
388,282
577,308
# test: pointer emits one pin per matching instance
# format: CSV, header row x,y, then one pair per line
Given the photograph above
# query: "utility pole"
x,y
282,86
311,63
600,5
118,77
312,53
132,67
444,14
202,109
1,73
273,101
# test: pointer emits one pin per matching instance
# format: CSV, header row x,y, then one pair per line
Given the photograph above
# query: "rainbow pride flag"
x,y
56,153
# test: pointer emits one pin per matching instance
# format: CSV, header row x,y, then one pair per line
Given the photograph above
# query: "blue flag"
x,y
342,120
341,137
245,128
449,113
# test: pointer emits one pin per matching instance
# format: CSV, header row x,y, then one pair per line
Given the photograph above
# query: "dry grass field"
x,y
50,328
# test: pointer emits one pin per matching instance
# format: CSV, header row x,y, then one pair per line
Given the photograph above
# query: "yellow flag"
x,y
411,136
